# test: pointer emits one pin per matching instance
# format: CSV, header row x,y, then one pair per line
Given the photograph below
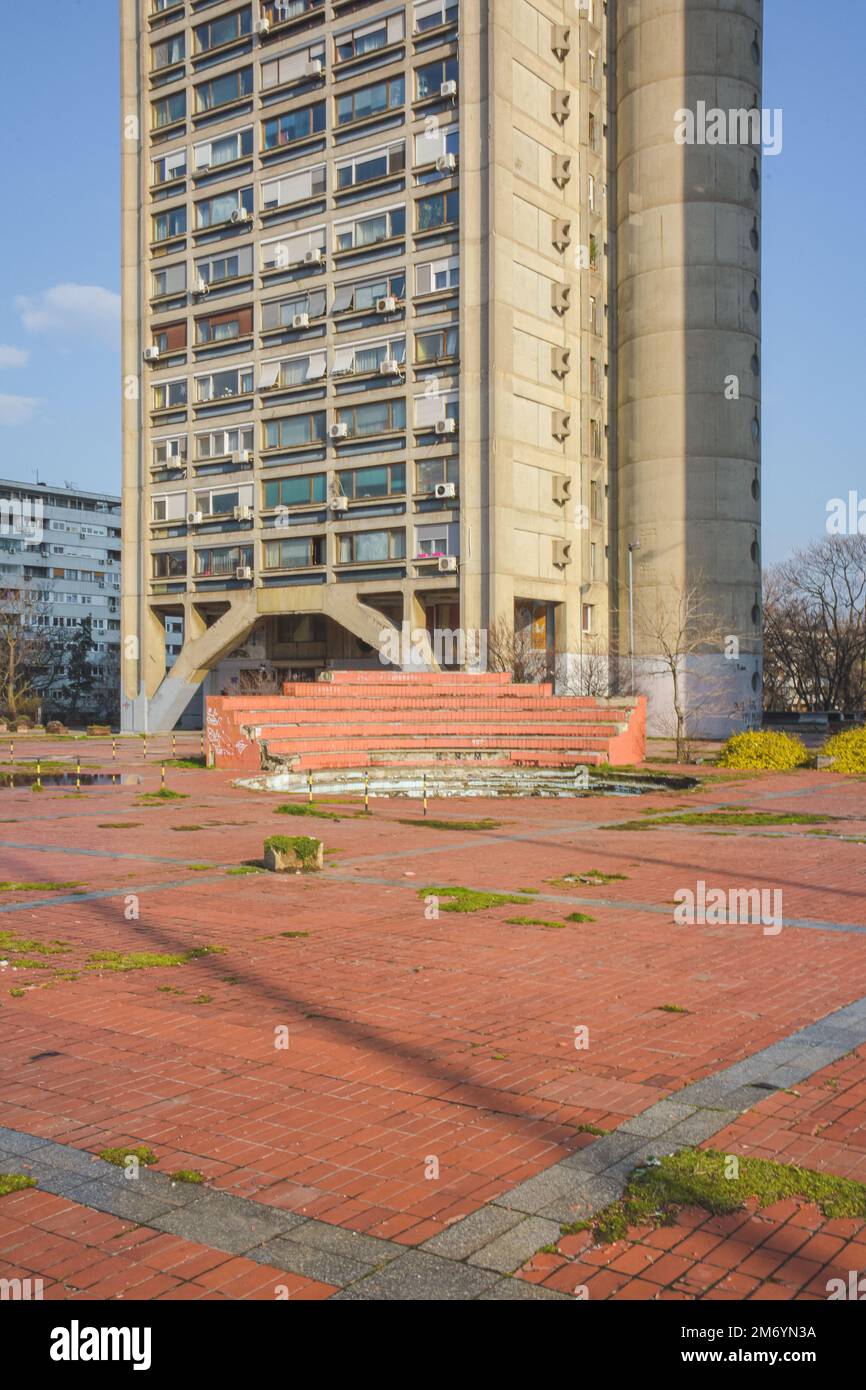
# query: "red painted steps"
x,y
355,718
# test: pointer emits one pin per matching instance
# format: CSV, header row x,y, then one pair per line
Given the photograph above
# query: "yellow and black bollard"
x,y
162,778
310,788
144,745
425,792
366,794
113,749
39,773
78,774
201,745
173,746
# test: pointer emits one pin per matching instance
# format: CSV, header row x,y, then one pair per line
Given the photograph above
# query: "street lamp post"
x,y
632,546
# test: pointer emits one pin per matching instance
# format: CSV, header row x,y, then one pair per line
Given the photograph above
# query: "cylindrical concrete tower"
x,y
688,204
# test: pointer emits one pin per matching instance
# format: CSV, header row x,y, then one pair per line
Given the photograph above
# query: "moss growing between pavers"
x,y
470,900
186,827
244,869
294,935
700,818
450,824
671,1009
12,887
195,763
291,808
579,917
118,1157
164,794
593,878
696,1178
120,962
534,922
187,1175
14,1182
120,825
591,1129
11,942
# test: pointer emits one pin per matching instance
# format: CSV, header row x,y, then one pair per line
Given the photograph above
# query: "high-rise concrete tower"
x,y
687,324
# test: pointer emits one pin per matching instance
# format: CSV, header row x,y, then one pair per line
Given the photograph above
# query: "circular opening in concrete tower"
x,y
756,51
756,614
756,486
755,300
756,680
756,434
755,551
754,238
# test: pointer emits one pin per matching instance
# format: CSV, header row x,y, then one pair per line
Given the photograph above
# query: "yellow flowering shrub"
x,y
847,750
764,749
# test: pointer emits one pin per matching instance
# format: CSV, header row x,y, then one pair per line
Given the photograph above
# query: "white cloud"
x,y
13,356
17,410
84,310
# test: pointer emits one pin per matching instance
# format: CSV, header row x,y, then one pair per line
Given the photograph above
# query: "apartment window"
x,y
295,553
371,165
168,111
168,53
169,394
278,11
167,506
435,276
295,188
222,443
214,212
439,210
592,65
592,134
222,501
223,91
212,154
595,507
588,617
364,294
371,547
433,14
293,125
171,338
168,225
219,386
431,472
291,250
595,377
594,318
379,417
292,67
170,167
369,38
223,31
431,347
595,437
374,100
429,78
169,564
384,480
430,145
232,266
223,561
593,560
368,357
369,231
292,371
295,430
223,328
590,192
431,541
280,313
295,492
170,450
172,280
432,407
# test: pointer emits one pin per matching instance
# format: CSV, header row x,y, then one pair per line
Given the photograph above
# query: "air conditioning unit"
x,y
243,513
446,426
386,305
151,354
314,257
243,572
447,564
443,490
263,27
242,456
240,215
202,287
301,321
448,89
340,431
446,163
194,518
314,67
389,367
339,504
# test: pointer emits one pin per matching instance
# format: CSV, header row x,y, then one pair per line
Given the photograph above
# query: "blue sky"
x,y
59,275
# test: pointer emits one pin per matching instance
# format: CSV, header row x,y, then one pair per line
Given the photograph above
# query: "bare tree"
x,y
589,673
677,625
510,649
815,627
31,656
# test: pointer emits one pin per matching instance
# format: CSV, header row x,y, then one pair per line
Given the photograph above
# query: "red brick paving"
x,y
409,1037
